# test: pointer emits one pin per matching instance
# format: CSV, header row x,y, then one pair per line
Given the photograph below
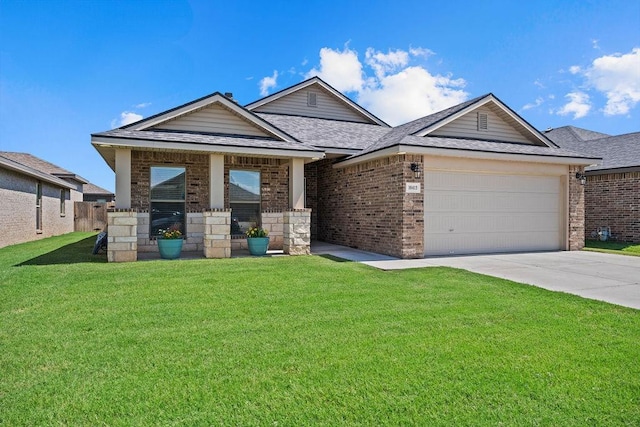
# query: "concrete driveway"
x,y
605,277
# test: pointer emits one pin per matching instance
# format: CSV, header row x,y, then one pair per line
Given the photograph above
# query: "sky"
x,y
72,68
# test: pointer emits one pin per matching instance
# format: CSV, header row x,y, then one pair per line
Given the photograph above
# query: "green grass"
x,y
613,247
294,341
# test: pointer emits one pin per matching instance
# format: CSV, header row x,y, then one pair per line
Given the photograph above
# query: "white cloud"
x,y
143,105
341,69
397,91
412,93
538,102
578,105
383,64
539,84
268,83
617,76
126,117
595,43
420,51
575,69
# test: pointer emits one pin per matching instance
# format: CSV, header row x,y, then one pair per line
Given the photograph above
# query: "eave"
x,y
464,153
106,146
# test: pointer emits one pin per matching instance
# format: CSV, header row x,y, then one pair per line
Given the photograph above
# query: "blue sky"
x,y
72,68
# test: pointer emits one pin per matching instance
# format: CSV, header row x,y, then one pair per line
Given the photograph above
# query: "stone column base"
x,y
297,232
122,235
217,233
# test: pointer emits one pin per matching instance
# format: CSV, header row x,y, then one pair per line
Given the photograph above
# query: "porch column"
x,y
216,181
123,178
296,184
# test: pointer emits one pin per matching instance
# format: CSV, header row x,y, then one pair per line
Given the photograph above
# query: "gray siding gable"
x,y
326,106
212,119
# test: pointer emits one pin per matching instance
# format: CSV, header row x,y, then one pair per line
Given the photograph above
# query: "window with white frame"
x,y
167,199
244,200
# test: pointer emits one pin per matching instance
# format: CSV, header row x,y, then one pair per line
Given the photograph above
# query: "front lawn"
x,y
612,247
294,341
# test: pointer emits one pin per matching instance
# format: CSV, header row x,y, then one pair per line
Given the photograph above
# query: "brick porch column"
x,y
297,232
217,233
122,235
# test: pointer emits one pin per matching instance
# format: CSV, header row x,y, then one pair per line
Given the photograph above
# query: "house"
x,y
474,178
612,190
93,193
37,196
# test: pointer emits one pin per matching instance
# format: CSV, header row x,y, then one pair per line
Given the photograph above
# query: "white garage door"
x,y
467,213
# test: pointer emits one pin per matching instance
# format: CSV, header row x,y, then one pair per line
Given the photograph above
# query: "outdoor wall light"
x,y
581,177
415,167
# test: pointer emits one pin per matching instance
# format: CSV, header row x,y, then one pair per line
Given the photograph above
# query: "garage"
x,y
477,211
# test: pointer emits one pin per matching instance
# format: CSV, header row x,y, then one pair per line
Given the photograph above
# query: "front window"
x,y
244,200
167,199
38,206
63,197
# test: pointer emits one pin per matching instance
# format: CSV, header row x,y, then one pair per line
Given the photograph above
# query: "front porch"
x,y
208,233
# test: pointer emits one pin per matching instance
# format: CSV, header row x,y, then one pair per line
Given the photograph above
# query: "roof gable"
x,y
484,118
214,118
314,98
214,114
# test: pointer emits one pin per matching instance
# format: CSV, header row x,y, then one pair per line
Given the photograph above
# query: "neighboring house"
x,y
93,193
37,198
612,191
474,178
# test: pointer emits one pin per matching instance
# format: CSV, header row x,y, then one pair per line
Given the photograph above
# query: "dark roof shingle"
x,y
619,151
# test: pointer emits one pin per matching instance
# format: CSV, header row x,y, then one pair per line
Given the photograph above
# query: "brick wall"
x,y
365,206
576,210
274,185
274,177
613,200
18,209
274,180
197,176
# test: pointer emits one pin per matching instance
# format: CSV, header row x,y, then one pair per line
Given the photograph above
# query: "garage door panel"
x,y
492,223
448,201
461,181
442,244
482,213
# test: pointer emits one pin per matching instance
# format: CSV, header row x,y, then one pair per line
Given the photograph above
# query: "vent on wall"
x,y
312,99
482,121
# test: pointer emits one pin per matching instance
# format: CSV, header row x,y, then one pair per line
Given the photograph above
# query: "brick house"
x,y
307,162
612,190
37,198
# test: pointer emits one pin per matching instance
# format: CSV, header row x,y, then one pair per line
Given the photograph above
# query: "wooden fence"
x,y
90,216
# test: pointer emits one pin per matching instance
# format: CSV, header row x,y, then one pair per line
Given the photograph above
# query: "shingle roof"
x,y
36,163
90,188
325,133
486,146
619,151
36,166
207,139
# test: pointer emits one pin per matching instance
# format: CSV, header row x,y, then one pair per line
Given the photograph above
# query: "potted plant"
x,y
170,243
257,241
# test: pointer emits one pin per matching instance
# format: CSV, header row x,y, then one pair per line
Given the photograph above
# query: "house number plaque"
x,y
413,187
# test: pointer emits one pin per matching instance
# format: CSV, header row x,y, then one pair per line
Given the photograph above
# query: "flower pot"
x,y
170,248
258,245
